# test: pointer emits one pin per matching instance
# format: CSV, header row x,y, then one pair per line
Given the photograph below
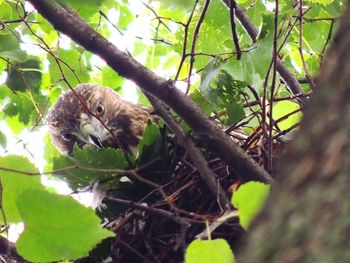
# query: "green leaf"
x,y
201,102
15,125
46,27
50,153
255,13
249,199
175,9
62,230
322,2
10,48
210,73
253,66
235,113
14,184
54,94
219,87
20,107
319,30
105,158
214,27
150,144
25,76
84,8
3,140
209,251
125,17
284,108
111,79
76,71
243,70
336,8
150,135
261,57
3,66
6,11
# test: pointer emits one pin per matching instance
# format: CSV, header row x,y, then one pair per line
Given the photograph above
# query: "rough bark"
x,y
307,218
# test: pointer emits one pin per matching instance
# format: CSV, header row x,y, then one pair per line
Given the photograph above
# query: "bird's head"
x,y
100,117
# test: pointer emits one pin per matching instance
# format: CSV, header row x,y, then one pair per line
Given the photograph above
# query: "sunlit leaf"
x,y
249,199
125,17
209,251
255,13
111,79
322,2
176,9
3,140
85,8
6,11
45,26
15,125
54,94
62,230
10,48
15,183
73,65
20,107
289,111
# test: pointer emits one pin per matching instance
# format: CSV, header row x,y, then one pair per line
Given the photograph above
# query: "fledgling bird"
x,y
120,123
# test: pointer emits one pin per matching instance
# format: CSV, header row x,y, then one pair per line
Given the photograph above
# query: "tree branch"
x,y
233,7
253,32
69,23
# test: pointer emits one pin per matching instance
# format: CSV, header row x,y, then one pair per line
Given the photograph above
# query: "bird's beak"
x,y
95,141
90,132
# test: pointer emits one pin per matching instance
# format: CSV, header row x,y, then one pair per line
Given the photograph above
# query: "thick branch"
x,y
70,24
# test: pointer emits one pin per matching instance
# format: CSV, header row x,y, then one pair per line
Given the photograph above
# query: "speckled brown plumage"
x,y
69,122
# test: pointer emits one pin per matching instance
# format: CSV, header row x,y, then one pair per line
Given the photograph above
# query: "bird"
x,y
91,114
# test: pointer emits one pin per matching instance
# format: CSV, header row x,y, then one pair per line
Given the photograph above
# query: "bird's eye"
x,y
100,110
67,137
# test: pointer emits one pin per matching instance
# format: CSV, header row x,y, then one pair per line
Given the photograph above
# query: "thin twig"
x,y
301,50
184,44
151,210
233,7
194,41
273,86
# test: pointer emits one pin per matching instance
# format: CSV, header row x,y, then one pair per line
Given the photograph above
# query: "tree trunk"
x,y
307,217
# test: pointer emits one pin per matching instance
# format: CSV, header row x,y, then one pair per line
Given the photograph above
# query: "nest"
x,y
173,206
